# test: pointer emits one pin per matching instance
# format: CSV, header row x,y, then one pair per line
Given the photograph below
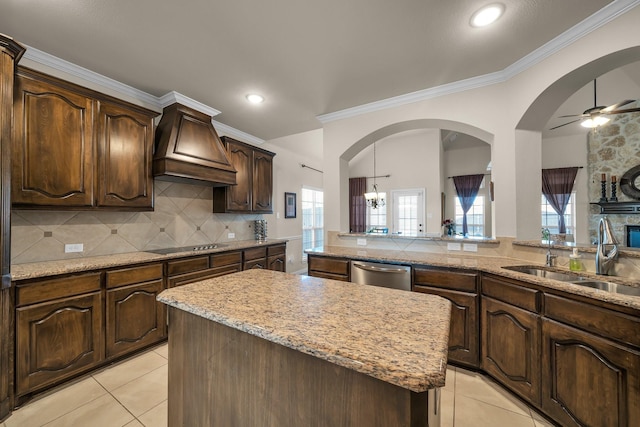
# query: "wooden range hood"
x,y
189,150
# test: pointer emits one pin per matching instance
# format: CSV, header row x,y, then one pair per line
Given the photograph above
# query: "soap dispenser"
x,y
574,261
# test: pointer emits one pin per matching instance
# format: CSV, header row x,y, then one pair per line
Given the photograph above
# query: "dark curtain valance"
x,y
357,205
557,185
467,187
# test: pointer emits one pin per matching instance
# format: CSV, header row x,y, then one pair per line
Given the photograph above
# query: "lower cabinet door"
x,y
134,318
463,334
587,380
56,340
511,347
276,263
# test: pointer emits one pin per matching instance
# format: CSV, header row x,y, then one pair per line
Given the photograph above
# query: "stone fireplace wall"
x,y
613,149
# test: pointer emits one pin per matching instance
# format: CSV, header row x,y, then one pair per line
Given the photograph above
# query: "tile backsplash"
x,y
182,217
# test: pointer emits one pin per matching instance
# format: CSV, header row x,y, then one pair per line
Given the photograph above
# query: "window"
x,y
475,217
377,217
550,217
312,219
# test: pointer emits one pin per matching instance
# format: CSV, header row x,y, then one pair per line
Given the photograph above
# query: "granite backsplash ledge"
x,y
182,216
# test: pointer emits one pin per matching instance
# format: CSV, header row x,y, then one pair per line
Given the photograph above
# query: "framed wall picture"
x,y
289,205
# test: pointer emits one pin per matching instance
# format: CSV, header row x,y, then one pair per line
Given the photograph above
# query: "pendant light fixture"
x,y
374,201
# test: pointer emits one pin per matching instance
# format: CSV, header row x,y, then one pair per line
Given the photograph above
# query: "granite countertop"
x,y
396,336
65,266
487,264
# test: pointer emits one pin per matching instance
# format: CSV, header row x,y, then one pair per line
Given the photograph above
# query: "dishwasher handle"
x,y
379,269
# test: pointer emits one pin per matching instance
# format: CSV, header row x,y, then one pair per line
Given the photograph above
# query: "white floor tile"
x,y
447,404
474,413
156,416
104,411
145,392
480,387
163,351
129,370
57,404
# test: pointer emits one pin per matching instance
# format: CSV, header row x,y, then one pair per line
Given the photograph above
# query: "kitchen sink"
x,y
576,279
542,272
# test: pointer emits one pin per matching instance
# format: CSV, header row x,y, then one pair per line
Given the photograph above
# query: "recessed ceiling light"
x,y
254,98
487,15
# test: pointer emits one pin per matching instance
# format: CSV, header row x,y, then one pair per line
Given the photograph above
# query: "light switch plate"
x,y
470,247
74,247
453,246
231,236
362,242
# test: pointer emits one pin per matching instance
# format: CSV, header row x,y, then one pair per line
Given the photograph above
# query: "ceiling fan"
x,y
595,116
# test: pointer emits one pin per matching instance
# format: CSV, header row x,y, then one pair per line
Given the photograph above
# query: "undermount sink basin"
x,y
542,272
576,279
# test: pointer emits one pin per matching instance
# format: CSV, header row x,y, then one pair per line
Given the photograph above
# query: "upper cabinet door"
x,y
52,146
262,182
125,147
239,196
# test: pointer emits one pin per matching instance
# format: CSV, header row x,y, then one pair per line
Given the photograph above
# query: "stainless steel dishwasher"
x,y
378,274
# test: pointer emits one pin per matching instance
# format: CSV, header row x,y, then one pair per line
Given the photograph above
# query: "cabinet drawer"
x,y
276,250
227,258
329,265
323,275
128,276
254,253
185,279
606,323
511,294
460,281
49,289
187,265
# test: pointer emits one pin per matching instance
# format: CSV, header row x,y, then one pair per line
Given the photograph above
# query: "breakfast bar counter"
x,y
265,348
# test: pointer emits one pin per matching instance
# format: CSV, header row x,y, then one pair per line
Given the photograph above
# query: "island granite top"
x,y
396,336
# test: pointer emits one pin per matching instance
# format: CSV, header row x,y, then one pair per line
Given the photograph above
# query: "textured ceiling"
x,y
307,58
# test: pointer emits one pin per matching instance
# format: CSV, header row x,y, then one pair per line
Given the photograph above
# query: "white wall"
x,y
412,159
289,176
496,111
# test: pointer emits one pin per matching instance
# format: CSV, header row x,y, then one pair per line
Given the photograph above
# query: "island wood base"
x,y
220,376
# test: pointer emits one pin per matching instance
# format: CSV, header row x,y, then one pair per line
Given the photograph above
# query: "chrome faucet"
x,y
551,258
607,252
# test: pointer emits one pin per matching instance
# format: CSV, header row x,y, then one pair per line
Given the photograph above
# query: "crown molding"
x,y
573,34
175,97
169,98
237,134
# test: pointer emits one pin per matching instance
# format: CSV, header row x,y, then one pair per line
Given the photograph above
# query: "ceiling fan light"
x,y
594,122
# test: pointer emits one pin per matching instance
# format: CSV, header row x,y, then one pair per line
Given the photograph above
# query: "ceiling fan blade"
x,y
627,110
617,106
570,115
568,123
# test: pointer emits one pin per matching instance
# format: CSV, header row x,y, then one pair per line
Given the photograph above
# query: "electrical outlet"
x,y
74,247
470,247
453,246
362,242
231,236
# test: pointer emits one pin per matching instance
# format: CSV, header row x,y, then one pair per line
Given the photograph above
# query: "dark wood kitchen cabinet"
x,y
98,149
277,258
511,336
188,270
328,268
255,258
59,330
590,364
10,54
134,319
253,191
461,288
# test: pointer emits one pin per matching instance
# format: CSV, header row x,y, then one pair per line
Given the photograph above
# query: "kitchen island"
x,y
264,348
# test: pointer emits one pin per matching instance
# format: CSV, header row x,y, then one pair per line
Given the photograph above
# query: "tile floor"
x,y
133,393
